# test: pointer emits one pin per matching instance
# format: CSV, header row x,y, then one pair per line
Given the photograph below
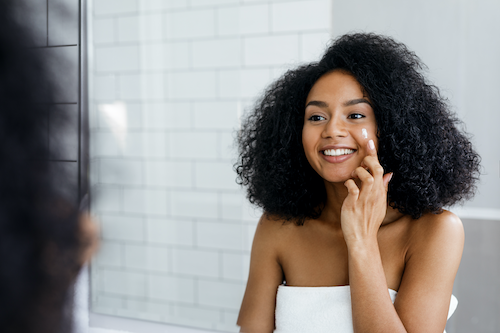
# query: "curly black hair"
x,y
420,140
39,225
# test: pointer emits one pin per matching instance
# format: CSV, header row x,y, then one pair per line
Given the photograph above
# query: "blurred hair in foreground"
x,y
41,240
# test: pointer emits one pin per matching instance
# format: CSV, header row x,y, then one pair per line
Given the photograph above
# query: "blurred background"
x,y
162,85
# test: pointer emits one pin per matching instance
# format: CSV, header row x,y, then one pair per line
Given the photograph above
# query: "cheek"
x,y
362,141
308,144
365,133
307,140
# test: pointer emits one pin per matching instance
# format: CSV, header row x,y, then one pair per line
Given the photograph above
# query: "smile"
x,y
338,152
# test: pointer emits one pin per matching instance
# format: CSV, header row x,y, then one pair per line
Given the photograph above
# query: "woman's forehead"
x,y
339,86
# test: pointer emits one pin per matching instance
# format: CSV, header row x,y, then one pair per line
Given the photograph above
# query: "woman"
x,y
353,159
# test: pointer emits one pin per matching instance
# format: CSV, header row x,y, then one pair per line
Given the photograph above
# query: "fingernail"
x,y
390,177
371,144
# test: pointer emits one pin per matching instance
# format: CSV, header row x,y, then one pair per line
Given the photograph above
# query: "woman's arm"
x,y
424,295
259,301
432,261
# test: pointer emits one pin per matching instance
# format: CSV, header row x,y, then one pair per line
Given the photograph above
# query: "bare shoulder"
x,y
270,223
437,237
272,231
442,228
446,219
274,223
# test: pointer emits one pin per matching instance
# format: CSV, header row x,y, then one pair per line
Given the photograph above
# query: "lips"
x,y
336,154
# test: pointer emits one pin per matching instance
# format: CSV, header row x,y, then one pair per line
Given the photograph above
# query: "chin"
x,y
337,178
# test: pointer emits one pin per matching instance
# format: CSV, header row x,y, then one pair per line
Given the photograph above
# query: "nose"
x,y
335,128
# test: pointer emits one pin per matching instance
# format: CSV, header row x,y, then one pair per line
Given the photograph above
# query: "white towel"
x,y
320,309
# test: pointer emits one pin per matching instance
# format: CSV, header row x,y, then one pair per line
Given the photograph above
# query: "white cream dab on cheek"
x,y
365,133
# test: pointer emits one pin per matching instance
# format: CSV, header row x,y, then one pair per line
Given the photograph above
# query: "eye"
x,y
356,116
316,118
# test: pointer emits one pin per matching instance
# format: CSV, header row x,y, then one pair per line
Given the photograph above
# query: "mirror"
x,y
169,83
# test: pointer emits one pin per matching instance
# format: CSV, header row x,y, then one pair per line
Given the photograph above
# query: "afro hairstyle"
x,y
420,139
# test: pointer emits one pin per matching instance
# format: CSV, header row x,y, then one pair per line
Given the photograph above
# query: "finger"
x,y
373,165
366,179
370,148
363,165
353,192
371,151
387,179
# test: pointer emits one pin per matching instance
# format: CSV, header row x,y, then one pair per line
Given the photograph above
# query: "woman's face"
x,y
338,123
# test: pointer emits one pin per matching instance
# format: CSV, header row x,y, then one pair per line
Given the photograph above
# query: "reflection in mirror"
x,y
169,83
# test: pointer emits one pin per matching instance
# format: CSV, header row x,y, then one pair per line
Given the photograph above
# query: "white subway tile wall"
x,y
170,83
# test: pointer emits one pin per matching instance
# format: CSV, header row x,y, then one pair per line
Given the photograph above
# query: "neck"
x,y
335,196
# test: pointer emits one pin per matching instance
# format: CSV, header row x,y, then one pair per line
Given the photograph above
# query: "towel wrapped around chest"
x,y
320,309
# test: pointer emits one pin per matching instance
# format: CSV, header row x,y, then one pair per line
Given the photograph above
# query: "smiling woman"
x,y
318,154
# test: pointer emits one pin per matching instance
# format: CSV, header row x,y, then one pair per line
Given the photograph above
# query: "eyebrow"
x,y
357,101
318,104
322,104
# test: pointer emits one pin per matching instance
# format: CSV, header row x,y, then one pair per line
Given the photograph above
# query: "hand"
x,y
364,208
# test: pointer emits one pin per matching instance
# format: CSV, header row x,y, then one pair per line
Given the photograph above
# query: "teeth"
x,y
338,152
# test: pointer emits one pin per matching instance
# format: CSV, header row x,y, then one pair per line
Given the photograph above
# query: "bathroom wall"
x,y
169,82
476,285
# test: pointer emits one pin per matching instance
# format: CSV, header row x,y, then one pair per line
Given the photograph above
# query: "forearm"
x,y
372,308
